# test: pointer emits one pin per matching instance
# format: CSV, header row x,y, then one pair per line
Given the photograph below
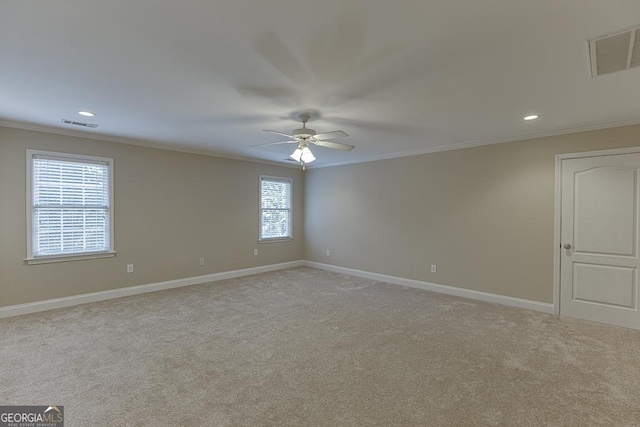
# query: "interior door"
x,y
599,239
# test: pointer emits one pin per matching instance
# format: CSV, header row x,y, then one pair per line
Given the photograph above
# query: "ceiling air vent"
x,y
85,125
615,52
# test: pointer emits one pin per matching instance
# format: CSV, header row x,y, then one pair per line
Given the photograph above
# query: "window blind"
x,y
275,208
71,212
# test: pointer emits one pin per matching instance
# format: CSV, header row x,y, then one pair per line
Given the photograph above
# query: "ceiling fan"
x,y
305,136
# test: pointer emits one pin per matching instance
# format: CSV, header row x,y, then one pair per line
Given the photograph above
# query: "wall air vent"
x,y
85,125
615,52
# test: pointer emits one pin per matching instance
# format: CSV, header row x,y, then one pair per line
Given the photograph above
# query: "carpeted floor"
x,y
307,347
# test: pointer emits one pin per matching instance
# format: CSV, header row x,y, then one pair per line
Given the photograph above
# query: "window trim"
x,y
274,239
31,259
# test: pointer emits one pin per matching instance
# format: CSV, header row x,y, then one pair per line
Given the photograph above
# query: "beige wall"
x,y
483,215
170,209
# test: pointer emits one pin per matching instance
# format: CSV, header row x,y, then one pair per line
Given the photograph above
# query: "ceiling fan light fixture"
x,y
304,137
307,156
296,155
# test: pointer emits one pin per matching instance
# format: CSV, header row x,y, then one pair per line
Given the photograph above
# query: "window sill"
x,y
276,240
65,258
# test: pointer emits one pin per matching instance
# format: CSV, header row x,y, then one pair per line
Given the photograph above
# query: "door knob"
x,y
567,246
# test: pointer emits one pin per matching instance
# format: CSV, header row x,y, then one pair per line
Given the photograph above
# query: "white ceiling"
x,y
400,77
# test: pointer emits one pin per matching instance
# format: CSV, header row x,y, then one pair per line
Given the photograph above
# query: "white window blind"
x,y
275,208
71,212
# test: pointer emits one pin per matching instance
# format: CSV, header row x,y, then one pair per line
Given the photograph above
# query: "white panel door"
x,y
599,238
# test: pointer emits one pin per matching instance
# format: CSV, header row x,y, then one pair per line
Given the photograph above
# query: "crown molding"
x,y
409,153
137,142
479,143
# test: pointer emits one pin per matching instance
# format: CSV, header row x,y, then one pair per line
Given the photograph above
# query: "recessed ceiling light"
x,y
86,113
531,117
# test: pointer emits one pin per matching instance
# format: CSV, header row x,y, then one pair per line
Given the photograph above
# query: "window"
x,y
275,208
69,207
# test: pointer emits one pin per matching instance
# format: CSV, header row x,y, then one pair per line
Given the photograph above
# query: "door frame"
x,y
557,211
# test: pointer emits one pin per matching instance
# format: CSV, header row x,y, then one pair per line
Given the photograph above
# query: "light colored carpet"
x,y
308,347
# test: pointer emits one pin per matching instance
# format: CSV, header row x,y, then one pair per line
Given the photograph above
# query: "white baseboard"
x,y
33,307
443,289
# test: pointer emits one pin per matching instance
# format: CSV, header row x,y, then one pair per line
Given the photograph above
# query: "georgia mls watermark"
x,y
32,416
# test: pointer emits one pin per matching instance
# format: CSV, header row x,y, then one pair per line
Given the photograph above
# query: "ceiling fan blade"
x,y
334,145
334,134
275,143
279,133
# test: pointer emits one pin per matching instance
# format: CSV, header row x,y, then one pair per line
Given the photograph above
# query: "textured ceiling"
x,y
399,77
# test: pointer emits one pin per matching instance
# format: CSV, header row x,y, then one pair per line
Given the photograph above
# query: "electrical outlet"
x,y
129,268
434,269
201,261
255,252
328,252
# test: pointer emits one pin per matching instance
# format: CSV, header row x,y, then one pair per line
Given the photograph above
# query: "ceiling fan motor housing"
x,y
303,133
